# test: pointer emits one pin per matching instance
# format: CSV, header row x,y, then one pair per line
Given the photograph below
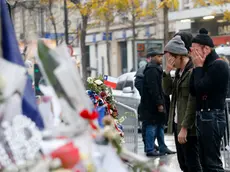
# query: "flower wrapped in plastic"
x,y
60,73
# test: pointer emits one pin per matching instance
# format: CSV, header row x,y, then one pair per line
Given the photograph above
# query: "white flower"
x,y
90,80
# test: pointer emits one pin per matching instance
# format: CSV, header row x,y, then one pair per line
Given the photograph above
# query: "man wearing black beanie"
x,y
186,38
209,83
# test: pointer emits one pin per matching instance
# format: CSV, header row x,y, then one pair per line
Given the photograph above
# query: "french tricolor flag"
x,y
110,81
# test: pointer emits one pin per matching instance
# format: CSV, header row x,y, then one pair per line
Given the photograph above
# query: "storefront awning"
x,y
218,40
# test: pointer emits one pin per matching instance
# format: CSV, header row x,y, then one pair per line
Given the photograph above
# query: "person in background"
x,y
183,105
209,84
139,82
152,106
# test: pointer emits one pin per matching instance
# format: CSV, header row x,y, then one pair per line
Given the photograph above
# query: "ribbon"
x,y
90,117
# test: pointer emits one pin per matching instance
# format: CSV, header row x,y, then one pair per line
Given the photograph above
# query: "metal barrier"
x,y
226,143
129,118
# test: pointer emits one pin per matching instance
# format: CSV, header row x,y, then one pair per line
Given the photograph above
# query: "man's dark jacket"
x,y
139,79
152,94
210,83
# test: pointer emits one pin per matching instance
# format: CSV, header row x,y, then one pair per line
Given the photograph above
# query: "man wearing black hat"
x,y
209,83
152,107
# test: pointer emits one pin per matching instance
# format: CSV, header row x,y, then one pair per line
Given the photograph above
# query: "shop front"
x,y
142,47
218,28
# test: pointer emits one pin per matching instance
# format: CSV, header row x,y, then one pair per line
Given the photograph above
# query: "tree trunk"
x,y
108,47
133,42
166,30
53,21
166,25
84,59
42,22
66,23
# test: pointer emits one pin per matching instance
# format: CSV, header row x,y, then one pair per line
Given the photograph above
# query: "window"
x,y
120,85
121,82
129,83
187,4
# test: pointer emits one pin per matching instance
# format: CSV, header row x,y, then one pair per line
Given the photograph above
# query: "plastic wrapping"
x,y
60,73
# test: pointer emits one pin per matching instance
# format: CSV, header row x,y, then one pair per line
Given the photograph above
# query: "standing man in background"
x,y
139,82
152,108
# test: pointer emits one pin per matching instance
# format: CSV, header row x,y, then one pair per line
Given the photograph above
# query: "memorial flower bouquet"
x,y
101,95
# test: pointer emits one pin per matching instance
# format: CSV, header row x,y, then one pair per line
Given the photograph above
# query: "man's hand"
x,y
170,62
197,59
182,137
160,108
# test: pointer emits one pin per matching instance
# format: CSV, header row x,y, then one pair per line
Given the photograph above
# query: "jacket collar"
x,y
188,66
153,64
210,58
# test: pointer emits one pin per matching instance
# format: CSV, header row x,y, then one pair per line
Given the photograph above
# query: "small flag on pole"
x,y
10,52
110,81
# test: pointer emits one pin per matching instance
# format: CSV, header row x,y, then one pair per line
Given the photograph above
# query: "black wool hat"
x,y
151,53
186,38
203,38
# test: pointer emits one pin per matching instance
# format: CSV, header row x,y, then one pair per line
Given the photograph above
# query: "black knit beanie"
x,y
186,38
203,38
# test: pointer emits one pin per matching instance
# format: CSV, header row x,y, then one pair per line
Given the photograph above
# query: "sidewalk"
x,y
169,160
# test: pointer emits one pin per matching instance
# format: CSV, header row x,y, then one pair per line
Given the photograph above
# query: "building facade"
x,y
32,23
191,19
150,34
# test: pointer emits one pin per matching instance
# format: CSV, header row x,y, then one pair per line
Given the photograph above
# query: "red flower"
x,y
68,154
102,94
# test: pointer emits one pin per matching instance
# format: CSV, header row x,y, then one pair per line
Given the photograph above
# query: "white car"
x,y
223,51
126,92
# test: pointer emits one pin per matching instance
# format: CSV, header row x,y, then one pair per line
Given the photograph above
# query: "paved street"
x,y
169,160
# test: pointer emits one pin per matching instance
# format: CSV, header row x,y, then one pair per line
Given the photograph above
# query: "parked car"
x,y
126,92
223,50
